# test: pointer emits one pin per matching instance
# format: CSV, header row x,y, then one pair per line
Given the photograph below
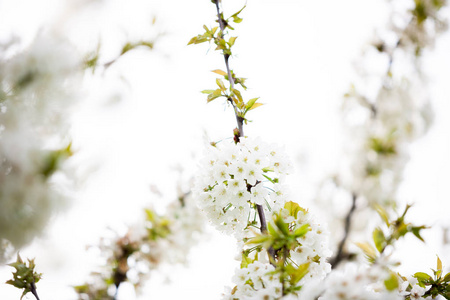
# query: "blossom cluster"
x,y
233,181
183,225
386,109
256,281
234,178
262,280
390,102
159,239
411,288
313,247
38,86
353,282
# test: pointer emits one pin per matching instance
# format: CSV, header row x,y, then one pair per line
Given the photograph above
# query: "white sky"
x,y
297,55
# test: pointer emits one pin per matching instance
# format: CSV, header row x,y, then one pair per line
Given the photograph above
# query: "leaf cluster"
x,y
24,277
281,234
283,237
383,238
438,284
228,91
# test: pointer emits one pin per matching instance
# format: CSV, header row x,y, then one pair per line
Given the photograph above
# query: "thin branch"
x,y
33,290
348,220
240,121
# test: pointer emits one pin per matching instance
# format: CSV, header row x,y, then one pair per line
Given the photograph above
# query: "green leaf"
x,y
25,277
382,213
238,101
198,40
268,178
379,239
391,283
260,239
282,226
207,91
293,208
25,291
296,274
220,84
221,44
301,231
272,231
250,103
368,250
232,40
235,17
238,94
416,231
216,94
256,105
220,72
422,277
245,260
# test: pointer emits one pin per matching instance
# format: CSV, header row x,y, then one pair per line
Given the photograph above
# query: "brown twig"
x,y
33,290
348,220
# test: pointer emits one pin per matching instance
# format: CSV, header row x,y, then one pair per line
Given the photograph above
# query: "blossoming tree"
x,y
241,186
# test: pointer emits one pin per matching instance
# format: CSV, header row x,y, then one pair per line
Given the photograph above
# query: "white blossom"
x,y
233,177
38,86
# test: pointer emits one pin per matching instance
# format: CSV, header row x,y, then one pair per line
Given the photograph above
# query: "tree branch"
x,y
240,120
348,220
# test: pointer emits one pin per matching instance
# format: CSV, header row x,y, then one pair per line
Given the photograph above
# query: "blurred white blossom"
x,y
38,87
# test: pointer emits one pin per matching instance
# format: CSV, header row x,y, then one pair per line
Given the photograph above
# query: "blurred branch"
x,y
341,255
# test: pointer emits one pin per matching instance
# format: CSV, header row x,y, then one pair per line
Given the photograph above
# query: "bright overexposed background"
x,y
144,117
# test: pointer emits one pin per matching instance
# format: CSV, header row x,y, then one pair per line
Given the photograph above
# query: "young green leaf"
x,y
368,250
382,213
422,277
232,40
301,231
220,84
296,274
216,94
220,72
207,91
282,226
293,208
391,283
250,103
235,17
255,106
379,239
